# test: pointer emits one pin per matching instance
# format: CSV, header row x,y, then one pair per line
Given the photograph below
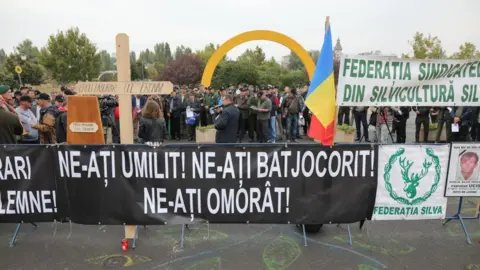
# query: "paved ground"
x,y
392,245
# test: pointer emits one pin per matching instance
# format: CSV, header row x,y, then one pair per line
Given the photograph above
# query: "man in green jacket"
x,y
263,108
10,126
211,99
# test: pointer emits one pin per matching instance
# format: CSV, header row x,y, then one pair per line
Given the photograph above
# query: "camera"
x,y
107,110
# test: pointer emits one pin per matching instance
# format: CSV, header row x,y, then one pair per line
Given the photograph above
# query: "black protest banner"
x,y
28,189
136,184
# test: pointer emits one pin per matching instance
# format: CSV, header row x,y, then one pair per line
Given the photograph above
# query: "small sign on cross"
x,y
123,88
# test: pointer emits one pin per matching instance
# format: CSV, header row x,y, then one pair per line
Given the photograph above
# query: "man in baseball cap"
x,y
48,114
6,95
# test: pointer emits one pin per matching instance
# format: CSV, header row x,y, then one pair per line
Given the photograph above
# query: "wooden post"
x,y
125,102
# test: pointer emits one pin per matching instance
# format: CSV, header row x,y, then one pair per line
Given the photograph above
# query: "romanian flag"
x,y
321,94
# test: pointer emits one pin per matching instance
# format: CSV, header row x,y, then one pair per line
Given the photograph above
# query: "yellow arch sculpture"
x,y
257,35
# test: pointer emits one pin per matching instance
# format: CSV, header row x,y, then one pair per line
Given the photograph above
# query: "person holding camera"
x,y
226,122
108,103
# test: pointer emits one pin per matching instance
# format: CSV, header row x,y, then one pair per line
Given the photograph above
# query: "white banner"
x,y
411,182
463,175
381,81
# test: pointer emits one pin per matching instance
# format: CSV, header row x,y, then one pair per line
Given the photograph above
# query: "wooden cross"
x,y
84,112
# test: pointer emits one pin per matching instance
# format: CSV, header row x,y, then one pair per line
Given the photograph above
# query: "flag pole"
x,y
327,24
335,119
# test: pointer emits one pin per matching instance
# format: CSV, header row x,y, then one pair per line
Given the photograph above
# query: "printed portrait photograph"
x,y
467,168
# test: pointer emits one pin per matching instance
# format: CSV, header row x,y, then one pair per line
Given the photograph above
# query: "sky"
x,y
362,26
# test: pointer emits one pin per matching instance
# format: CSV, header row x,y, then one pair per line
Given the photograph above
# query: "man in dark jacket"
x,y
463,118
422,119
400,123
226,122
306,112
252,117
183,97
242,104
175,111
445,119
61,120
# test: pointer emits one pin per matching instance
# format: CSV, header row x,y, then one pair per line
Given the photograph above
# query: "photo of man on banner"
x,y
467,166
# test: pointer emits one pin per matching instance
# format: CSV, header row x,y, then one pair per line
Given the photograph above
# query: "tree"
x,y
151,70
255,57
134,72
270,73
207,52
182,50
235,73
162,53
185,69
315,54
8,79
427,47
293,62
133,57
146,57
71,56
467,51
106,61
3,55
26,48
32,73
140,72
294,78
168,53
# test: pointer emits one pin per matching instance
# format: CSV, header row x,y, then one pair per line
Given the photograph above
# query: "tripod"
x,y
382,114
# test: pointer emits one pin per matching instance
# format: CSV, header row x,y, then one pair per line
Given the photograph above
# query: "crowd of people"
x,y
28,116
243,114
379,124
239,114
246,113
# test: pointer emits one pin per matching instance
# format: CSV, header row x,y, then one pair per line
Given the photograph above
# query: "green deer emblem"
x,y
412,181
